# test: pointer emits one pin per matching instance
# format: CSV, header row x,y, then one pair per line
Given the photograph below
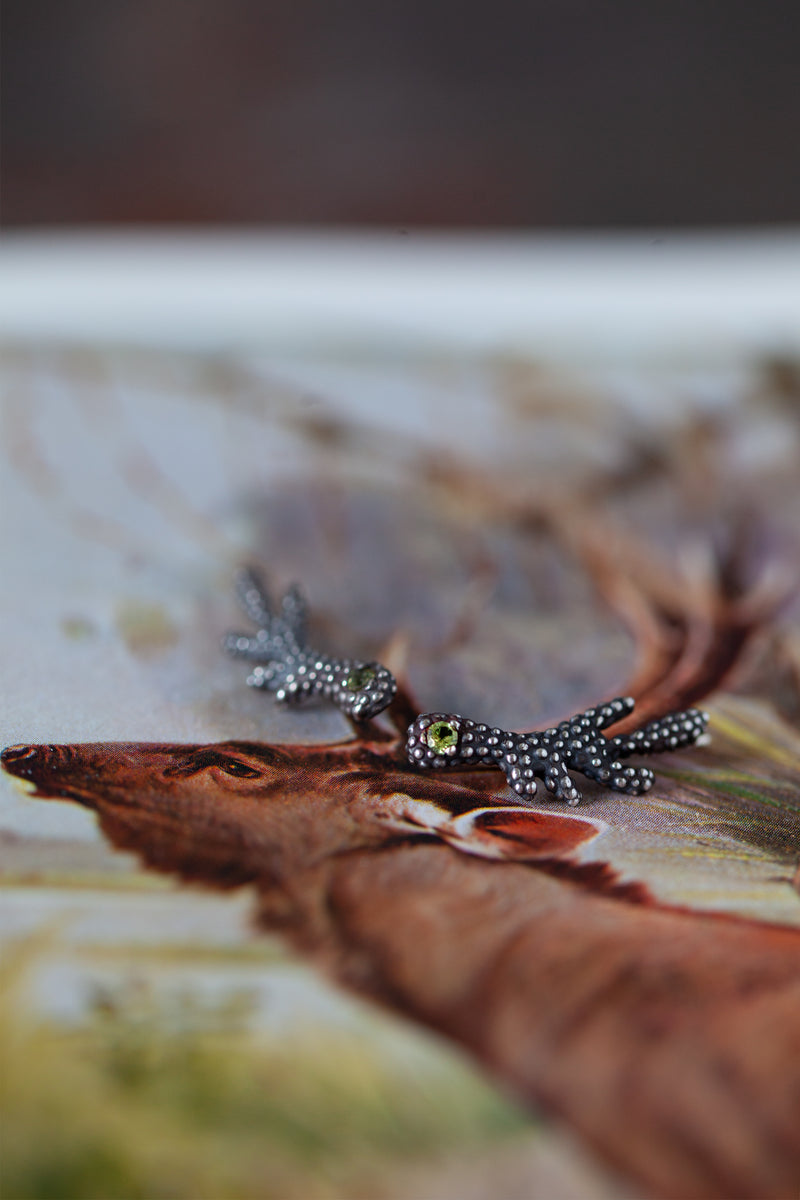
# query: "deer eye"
x,y
203,759
239,770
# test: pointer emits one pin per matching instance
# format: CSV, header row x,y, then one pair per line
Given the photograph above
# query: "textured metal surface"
x,y
448,740
294,671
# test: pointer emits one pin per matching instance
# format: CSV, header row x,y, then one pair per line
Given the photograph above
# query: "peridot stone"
x,y
441,736
359,678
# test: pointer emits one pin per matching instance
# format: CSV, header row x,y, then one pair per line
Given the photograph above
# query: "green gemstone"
x,y
359,678
441,736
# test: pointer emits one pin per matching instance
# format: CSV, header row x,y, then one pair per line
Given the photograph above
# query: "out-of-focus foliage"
x,y
149,1100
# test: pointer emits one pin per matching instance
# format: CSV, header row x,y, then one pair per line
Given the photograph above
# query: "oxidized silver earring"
x,y
447,740
294,671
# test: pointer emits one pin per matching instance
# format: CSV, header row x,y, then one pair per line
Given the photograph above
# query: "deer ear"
x,y
512,833
519,833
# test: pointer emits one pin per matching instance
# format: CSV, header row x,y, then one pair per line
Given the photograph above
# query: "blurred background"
x,y
526,115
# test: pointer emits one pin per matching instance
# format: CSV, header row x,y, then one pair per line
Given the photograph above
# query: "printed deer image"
x,y
668,1039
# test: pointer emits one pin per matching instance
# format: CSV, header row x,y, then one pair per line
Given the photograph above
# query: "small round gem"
x,y
359,678
441,736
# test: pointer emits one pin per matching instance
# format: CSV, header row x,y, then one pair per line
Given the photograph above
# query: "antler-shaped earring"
x,y
291,668
447,740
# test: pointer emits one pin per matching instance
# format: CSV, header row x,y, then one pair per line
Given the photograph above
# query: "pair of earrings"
x,y
294,671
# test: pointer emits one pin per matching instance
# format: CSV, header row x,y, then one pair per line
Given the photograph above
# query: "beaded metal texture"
x,y
446,740
294,671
